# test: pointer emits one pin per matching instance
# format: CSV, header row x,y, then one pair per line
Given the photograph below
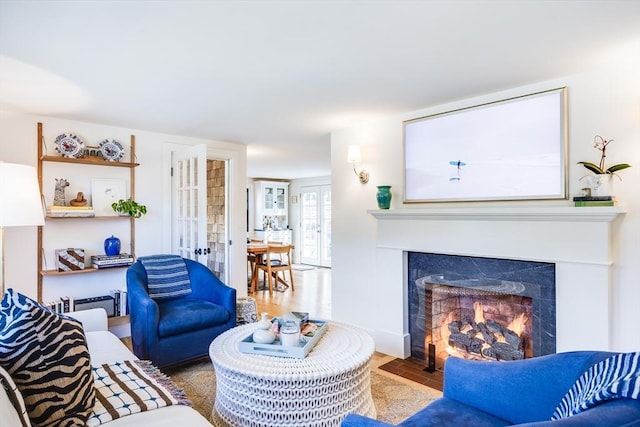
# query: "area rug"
x,y
393,399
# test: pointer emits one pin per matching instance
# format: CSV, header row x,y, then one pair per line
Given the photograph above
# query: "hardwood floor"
x,y
312,295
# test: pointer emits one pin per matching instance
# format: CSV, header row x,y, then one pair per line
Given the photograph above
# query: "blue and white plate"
x,y
69,146
111,150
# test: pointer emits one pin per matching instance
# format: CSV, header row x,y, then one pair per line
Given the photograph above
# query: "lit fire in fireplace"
x,y
483,339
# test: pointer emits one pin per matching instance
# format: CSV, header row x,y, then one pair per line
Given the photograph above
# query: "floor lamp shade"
x,y
20,201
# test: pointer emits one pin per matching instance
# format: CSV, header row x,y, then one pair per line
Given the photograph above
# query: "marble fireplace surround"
x,y
578,240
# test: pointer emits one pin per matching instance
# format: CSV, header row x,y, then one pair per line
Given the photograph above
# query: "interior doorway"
x,y
315,213
199,208
217,216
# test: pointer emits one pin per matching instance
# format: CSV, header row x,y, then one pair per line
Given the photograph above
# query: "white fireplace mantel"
x,y
560,213
578,240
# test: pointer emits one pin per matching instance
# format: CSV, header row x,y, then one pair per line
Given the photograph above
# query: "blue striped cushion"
x,y
616,377
167,276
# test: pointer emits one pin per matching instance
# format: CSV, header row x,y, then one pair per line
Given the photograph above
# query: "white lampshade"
x,y
353,154
20,202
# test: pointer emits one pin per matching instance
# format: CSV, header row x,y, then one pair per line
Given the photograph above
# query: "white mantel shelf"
x,y
556,213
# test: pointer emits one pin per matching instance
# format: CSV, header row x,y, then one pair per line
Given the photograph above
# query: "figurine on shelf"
x,y
58,195
79,200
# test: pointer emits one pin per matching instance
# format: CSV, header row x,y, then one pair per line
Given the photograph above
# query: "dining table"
x,y
255,253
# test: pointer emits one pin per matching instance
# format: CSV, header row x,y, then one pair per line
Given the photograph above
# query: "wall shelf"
x,y
101,217
97,162
83,271
87,161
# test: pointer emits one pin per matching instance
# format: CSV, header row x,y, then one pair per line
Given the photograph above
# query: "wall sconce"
x,y
353,156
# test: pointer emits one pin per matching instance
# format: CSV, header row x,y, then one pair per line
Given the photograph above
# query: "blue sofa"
x,y
170,332
523,393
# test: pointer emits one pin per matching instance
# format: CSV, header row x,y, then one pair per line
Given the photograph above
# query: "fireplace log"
x,y
462,341
469,321
489,353
486,334
466,342
454,327
495,327
475,346
483,339
512,338
505,351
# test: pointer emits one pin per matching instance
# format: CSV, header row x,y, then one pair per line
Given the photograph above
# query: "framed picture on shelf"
x,y
104,192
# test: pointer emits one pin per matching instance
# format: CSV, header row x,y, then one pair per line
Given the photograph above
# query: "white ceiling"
x,y
279,76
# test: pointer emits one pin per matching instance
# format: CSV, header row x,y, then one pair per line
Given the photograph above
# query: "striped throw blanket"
x,y
126,388
616,377
167,276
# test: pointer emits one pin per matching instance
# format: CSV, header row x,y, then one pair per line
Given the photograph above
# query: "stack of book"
x,y
108,261
594,201
70,211
62,305
120,305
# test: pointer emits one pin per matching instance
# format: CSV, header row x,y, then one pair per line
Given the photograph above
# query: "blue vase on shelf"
x,y
112,246
384,196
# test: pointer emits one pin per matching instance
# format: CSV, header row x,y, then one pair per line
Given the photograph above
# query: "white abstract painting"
x,y
508,150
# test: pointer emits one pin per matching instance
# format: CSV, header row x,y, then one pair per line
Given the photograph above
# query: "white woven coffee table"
x,y
319,390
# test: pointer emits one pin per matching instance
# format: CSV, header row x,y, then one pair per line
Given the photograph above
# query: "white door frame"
x,y
236,157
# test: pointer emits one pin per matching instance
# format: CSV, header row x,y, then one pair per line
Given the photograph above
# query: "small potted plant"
x,y
129,207
600,183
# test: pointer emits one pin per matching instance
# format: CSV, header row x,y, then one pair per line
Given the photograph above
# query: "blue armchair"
x,y
523,393
175,330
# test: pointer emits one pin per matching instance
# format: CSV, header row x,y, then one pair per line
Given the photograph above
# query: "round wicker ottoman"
x,y
319,390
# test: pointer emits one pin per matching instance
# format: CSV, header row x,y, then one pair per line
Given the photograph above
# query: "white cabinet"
x,y
271,205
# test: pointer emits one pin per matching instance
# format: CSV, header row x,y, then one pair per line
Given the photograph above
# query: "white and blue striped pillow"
x,y
167,276
616,377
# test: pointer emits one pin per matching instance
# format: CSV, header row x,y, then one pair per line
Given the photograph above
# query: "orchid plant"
x,y
601,144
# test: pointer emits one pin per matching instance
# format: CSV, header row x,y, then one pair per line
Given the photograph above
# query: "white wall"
x,y
604,101
18,145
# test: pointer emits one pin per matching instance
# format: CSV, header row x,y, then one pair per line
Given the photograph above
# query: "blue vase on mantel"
x,y
112,246
384,196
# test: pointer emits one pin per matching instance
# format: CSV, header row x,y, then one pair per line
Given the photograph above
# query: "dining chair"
x,y
252,259
277,260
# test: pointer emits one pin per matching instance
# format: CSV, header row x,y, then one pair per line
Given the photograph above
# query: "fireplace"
x,y
572,244
479,308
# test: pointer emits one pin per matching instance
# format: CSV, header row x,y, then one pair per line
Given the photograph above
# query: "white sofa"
x,y
105,347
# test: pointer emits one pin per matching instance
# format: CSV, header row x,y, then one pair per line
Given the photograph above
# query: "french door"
x,y
189,211
315,238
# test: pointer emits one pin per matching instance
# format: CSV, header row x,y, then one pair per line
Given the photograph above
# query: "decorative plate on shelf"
x,y
111,150
69,146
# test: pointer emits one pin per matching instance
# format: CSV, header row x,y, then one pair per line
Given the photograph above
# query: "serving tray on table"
x,y
306,343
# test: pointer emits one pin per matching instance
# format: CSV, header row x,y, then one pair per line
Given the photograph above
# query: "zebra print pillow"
x,y
46,354
12,410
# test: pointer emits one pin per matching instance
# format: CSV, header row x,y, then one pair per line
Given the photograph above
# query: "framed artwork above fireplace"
x,y
512,149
